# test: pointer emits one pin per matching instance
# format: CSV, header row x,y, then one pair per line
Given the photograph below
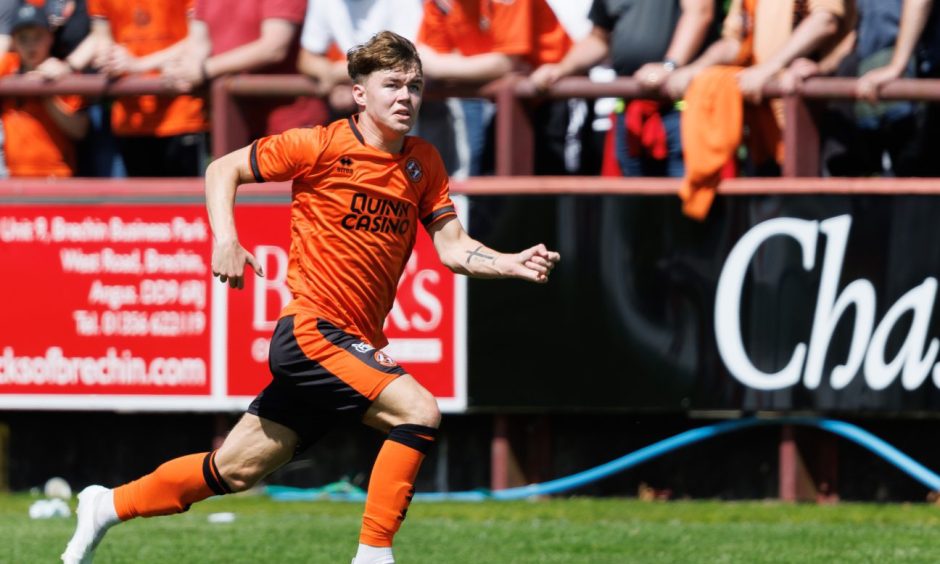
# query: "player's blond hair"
x,y
386,50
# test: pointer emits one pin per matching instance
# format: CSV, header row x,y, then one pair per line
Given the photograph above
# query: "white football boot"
x,y
93,523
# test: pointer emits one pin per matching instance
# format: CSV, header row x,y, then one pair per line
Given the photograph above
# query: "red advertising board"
x,y
113,306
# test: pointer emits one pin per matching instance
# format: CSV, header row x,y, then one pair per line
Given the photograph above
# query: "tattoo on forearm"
x,y
476,253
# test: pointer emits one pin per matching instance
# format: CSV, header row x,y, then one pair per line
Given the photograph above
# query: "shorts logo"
x,y
384,359
363,347
413,168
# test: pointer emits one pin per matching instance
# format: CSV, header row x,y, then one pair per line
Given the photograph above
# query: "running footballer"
x,y
360,187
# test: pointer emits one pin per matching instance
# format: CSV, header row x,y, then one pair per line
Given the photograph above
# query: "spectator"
x,y
889,42
768,37
648,40
39,130
262,36
160,136
333,27
763,38
477,41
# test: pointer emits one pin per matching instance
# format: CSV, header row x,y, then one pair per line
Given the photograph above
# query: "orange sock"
x,y
391,486
171,488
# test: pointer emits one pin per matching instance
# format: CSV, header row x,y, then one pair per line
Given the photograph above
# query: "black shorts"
x,y
322,376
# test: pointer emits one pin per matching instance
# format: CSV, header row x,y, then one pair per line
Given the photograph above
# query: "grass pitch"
x,y
578,530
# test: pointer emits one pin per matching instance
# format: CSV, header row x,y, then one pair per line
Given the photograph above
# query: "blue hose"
x,y
846,430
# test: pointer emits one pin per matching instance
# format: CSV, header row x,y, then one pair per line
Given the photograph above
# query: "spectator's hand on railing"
x,y
791,79
652,76
52,69
871,82
751,82
545,76
184,73
118,61
678,82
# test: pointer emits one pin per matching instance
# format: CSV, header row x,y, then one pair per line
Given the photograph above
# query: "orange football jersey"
x,y
354,216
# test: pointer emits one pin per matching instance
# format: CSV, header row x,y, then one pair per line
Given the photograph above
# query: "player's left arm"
x,y
463,254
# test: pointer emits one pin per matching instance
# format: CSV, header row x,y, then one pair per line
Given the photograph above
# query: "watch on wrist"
x,y
670,65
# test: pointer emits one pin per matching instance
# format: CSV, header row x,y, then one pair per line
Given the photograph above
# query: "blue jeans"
x,y
672,165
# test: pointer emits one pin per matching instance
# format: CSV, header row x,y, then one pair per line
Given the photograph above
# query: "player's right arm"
x,y
223,178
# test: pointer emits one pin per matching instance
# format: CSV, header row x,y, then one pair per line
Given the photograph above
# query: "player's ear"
x,y
359,93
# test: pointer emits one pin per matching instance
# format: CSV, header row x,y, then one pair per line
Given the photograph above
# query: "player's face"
x,y
392,98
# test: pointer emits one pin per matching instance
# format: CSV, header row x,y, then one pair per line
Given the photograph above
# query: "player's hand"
x,y
533,264
228,263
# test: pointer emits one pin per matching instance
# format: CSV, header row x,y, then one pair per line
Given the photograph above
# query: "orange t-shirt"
x,y
527,28
354,218
34,145
144,27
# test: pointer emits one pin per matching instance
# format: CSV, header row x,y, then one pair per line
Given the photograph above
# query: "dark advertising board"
x,y
789,303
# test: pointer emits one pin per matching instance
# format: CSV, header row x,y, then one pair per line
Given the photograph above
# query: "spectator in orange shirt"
x,y
39,131
157,135
478,41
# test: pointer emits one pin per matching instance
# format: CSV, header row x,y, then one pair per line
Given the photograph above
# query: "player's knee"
x,y
425,411
241,477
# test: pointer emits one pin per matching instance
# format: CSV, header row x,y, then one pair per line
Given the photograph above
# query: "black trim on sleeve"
x,y
433,216
255,171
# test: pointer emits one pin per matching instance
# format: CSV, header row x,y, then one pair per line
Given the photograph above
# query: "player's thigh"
x,y
403,401
255,447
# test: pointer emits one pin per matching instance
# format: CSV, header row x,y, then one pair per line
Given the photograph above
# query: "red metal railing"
x,y
514,155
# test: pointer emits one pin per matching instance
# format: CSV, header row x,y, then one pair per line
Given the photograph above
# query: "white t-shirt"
x,y
573,16
351,22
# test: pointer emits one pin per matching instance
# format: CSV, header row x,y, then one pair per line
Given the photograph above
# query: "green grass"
x,y
576,530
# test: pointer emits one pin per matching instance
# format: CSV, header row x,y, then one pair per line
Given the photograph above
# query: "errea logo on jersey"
x,y
345,166
362,347
413,168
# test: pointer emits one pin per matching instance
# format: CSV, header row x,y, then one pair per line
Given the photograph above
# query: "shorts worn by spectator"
x,y
476,41
39,131
326,359
159,135
646,39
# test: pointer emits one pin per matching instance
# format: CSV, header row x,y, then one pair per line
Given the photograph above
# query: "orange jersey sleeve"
x,y
287,156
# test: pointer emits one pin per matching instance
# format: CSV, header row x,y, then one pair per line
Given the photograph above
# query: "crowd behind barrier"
x,y
701,89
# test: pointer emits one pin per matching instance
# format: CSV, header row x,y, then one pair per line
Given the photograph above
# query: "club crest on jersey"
x,y
413,168
384,359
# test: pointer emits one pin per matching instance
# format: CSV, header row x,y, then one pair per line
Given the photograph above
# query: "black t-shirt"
x,y
640,30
